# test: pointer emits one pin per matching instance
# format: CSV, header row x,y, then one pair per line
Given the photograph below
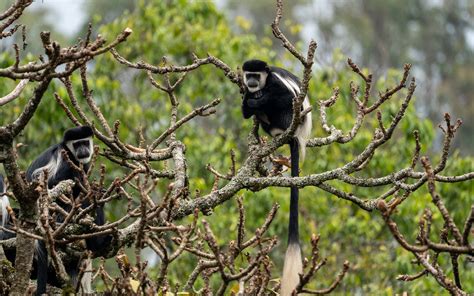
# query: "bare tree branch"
x,y
15,93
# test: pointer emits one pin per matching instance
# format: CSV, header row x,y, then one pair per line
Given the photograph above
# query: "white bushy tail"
x,y
303,132
291,269
86,281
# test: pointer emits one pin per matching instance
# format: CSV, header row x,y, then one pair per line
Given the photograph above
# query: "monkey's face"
x,y
255,81
81,149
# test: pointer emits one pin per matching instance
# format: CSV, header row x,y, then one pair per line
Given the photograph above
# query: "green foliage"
x,y
176,29
44,126
432,35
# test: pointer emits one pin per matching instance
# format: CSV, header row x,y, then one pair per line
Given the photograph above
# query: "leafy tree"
x,y
179,29
433,36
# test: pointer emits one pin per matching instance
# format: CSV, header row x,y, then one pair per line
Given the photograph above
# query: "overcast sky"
x,y
67,14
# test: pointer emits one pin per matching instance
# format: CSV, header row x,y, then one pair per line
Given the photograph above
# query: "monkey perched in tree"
x,y
269,94
78,145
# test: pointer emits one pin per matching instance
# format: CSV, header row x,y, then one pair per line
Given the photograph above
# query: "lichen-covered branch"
x,y
457,247
156,218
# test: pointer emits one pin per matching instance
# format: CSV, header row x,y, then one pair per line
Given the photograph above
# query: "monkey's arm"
x,y
40,162
101,242
260,102
283,102
246,110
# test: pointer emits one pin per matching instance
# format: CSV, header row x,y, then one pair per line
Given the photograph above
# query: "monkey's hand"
x,y
246,110
252,103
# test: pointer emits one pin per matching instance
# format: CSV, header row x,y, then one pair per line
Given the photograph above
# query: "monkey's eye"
x,y
250,76
80,143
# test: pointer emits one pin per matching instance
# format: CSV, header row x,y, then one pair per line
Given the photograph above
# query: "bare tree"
x,y
158,223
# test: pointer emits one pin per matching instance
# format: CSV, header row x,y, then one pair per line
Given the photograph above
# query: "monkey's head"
x,y
255,74
78,141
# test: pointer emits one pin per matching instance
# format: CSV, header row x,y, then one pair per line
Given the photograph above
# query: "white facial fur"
x,y
70,146
261,82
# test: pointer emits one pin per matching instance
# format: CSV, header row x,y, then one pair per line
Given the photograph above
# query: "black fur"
x,y
76,133
293,232
255,66
10,254
64,172
2,185
44,273
273,107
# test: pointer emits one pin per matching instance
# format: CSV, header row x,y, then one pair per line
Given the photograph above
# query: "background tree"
x,y
436,37
179,29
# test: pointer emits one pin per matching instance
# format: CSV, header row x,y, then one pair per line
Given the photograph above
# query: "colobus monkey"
x,y
77,142
269,94
7,226
5,202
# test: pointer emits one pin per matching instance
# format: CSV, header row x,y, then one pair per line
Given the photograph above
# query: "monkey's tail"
x,y
41,267
303,132
293,265
86,281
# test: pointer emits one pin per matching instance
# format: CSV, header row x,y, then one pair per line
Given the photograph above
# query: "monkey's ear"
x,y
267,69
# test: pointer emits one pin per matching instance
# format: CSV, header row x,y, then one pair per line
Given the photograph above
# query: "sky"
x,y
68,14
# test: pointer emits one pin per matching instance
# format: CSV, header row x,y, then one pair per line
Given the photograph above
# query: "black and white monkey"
x,y
269,94
39,260
78,144
5,201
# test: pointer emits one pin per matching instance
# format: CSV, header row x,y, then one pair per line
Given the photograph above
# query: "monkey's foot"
x,y
281,160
